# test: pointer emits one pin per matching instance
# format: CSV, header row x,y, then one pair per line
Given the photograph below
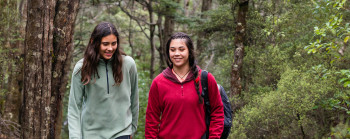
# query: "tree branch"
x,y
133,17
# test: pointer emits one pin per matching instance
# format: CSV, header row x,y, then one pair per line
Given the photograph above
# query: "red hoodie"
x,y
174,111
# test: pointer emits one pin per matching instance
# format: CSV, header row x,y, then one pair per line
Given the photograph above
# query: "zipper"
x,y
182,89
107,78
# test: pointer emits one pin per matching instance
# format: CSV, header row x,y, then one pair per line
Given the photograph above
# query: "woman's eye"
x,y
105,44
114,43
172,50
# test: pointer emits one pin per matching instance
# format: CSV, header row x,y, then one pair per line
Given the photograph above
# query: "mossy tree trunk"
x,y
66,12
236,86
48,50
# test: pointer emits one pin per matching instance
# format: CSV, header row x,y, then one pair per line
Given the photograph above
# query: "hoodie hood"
x,y
167,73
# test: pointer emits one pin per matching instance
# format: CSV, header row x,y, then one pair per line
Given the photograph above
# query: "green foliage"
x,y
220,71
167,7
342,130
331,36
287,92
346,78
221,19
282,113
144,84
266,63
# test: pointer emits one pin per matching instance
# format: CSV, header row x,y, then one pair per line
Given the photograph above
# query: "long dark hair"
x,y
191,57
92,56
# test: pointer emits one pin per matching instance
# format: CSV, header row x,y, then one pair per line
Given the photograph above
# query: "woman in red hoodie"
x,y
175,107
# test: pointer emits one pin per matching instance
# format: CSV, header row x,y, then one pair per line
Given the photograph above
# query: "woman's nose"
x,y
109,47
177,53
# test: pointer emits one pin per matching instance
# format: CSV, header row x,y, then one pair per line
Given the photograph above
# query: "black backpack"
x,y
227,106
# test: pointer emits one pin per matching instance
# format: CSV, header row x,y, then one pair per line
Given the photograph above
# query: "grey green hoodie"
x,y
101,109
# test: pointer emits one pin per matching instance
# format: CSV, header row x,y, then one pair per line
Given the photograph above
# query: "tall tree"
x,y
48,48
206,5
152,27
166,29
37,66
65,16
236,86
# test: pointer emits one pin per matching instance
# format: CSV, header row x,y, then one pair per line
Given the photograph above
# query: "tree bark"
x,y
165,32
37,68
66,12
236,86
169,25
162,43
206,5
152,30
48,50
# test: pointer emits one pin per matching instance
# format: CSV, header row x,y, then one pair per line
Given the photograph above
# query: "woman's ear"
x,y
90,41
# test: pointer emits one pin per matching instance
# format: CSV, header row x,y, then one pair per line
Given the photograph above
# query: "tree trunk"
x,y
162,43
35,116
236,86
130,30
66,12
206,5
151,38
166,31
48,50
186,5
169,25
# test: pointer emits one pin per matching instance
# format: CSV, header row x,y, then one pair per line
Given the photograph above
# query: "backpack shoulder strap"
x,y
204,82
205,95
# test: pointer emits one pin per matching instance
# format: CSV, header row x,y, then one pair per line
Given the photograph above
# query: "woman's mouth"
x,y
177,59
108,54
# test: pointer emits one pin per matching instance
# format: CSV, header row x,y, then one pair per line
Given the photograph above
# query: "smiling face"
x,y
108,46
178,52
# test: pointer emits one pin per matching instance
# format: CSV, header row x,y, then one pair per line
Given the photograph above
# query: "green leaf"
x,y
333,31
335,5
343,80
347,84
347,102
346,39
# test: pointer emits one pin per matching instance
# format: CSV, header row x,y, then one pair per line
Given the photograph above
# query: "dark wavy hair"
x,y
92,56
191,57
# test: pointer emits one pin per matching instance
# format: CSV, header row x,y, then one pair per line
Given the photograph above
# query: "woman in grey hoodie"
x,y
103,100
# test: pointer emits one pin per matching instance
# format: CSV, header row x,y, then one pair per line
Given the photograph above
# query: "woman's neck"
x,y
181,70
